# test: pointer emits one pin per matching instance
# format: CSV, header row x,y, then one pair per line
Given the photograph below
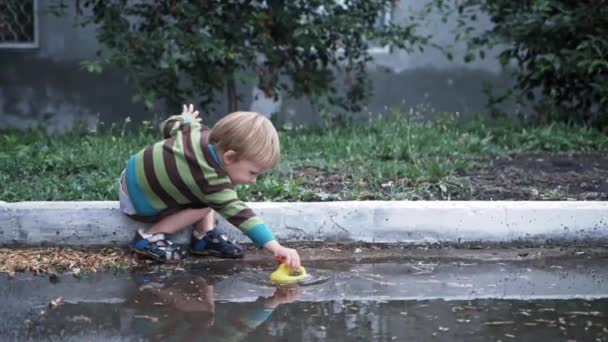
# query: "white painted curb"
x,y
414,222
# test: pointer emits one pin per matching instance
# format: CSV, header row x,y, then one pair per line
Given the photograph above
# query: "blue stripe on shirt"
x,y
140,202
260,235
257,317
215,156
186,119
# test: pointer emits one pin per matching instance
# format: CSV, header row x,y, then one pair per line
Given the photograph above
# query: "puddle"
x,y
398,300
267,320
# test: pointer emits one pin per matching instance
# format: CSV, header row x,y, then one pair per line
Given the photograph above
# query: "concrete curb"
x,y
411,222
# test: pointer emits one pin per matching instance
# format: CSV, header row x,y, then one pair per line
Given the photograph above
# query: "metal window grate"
x,y
18,23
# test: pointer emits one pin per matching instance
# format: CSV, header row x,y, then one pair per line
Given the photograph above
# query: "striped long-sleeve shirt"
x,y
184,171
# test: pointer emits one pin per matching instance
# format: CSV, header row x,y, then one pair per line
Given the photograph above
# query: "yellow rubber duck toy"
x,y
284,275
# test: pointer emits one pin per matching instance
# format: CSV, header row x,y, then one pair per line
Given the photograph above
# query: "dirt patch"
x,y
543,176
321,181
530,176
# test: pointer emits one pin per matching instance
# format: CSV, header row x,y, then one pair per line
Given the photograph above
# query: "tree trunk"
x,y
233,100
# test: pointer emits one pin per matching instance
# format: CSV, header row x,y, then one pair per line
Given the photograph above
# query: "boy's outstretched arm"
x,y
292,258
175,123
227,204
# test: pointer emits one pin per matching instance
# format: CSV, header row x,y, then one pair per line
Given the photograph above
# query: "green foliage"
x,y
182,50
559,48
388,158
75,166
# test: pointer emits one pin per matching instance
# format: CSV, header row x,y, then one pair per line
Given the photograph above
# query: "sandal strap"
x,y
217,234
159,243
158,237
226,246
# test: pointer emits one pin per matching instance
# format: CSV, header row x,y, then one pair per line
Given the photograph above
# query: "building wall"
x,y
46,85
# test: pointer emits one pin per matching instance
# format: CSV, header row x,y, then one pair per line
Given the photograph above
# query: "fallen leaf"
x,y
584,313
56,302
150,318
493,323
79,318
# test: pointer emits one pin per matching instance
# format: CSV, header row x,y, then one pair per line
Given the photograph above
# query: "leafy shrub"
x,y
180,50
559,48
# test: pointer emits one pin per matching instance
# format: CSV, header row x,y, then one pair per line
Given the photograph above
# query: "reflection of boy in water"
x,y
185,310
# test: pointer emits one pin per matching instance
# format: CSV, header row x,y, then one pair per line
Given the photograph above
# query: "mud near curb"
x,y
56,260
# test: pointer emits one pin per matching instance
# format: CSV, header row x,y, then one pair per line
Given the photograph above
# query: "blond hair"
x,y
249,134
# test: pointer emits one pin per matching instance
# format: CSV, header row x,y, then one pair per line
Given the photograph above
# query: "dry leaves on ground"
x,y
55,259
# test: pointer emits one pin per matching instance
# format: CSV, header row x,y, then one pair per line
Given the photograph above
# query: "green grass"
x,y
396,156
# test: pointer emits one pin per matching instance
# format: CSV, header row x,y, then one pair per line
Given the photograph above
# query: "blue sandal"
x,y
215,243
157,247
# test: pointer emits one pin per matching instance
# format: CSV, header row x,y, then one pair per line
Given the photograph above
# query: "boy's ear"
x,y
230,157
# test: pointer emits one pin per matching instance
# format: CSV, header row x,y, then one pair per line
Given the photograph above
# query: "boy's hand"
x,y
282,295
191,113
291,256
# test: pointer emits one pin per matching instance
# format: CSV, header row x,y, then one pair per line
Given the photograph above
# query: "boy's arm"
x,y
236,326
226,203
254,314
175,123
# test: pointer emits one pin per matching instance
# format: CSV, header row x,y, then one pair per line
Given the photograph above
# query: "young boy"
x,y
184,178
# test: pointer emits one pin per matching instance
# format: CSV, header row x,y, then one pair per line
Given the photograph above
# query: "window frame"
x,y
35,43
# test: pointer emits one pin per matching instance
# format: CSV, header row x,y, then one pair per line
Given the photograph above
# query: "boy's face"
x,y
242,171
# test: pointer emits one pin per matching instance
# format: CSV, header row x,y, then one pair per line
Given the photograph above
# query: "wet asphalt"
x,y
398,299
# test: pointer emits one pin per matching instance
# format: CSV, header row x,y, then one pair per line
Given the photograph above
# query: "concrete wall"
x,y
46,85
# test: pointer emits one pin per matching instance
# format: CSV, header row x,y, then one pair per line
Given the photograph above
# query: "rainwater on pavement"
x,y
553,299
